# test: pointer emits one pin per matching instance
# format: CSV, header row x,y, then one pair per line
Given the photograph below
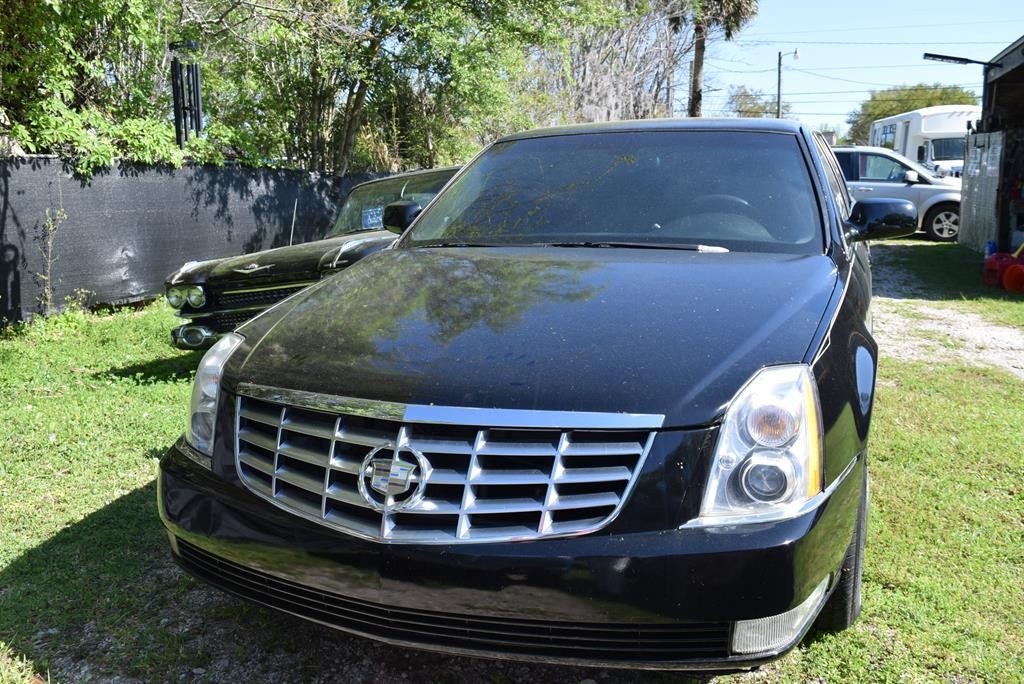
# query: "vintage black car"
x,y
221,294
606,402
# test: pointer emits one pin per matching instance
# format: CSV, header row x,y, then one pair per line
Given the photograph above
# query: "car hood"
x,y
295,262
612,330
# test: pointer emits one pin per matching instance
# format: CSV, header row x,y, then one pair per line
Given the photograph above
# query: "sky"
x,y
848,49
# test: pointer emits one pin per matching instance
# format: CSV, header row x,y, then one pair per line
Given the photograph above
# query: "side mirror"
x,y
920,153
399,215
878,219
911,177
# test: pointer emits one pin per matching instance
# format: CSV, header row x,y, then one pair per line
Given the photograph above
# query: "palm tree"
x,y
707,15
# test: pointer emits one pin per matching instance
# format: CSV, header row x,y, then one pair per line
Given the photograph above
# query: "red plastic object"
x,y
1013,278
995,267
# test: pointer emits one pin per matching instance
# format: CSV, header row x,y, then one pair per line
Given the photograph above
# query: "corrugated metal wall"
x,y
131,225
978,220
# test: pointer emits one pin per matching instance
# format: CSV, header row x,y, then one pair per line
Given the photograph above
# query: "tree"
x,y
331,85
709,15
414,70
753,103
324,85
899,99
624,69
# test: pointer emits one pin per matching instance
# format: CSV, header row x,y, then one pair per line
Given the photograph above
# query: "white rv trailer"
x,y
934,136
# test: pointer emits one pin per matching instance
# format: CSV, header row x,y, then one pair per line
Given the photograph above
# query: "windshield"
x,y
946,149
735,190
364,207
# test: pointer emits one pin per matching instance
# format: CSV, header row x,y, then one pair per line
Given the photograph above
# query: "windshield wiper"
x,y
460,244
639,245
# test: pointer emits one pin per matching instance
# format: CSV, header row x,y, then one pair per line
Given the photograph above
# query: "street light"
x,y
985,66
958,60
778,90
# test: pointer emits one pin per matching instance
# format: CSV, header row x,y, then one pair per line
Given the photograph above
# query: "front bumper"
x,y
221,315
667,599
205,328
194,336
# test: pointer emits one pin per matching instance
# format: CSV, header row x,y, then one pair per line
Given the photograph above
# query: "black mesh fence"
x,y
114,239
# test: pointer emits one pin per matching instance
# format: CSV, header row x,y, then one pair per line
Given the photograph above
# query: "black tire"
x,y
942,222
843,607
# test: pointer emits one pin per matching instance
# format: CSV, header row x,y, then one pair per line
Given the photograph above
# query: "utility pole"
x,y
778,88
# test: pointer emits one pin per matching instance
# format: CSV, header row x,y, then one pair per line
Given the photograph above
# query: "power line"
x,y
932,43
862,90
906,100
875,66
878,27
744,71
845,80
865,90
815,69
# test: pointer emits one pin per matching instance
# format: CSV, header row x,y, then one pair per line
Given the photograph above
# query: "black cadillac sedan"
x,y
606,402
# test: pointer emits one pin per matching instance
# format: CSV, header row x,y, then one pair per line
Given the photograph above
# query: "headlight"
x,y
176,297
195,296
203,411
768,459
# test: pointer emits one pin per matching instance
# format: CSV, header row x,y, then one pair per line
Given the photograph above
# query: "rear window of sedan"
x,y
741,190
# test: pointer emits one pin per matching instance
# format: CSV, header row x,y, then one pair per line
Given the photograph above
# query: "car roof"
x,y
734,124
450,170
867,148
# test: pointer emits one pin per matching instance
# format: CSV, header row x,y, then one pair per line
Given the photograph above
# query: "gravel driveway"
x,y
909,326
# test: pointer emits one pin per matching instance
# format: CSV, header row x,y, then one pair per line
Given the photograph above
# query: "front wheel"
x,y
844,604
942,222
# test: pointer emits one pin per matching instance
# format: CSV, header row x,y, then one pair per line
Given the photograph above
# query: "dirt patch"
x,y
910,327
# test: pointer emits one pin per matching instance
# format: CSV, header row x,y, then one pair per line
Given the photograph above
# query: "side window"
x,y
875,167
888,138
835,179
848,163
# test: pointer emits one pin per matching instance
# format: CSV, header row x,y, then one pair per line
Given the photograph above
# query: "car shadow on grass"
x,y
102,599
181,366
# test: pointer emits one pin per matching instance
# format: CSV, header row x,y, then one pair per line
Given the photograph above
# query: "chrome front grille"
x,y
395,475
227,320
260,296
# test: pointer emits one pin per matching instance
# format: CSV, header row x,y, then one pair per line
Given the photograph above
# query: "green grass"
x,y
90,402
14,668
951,274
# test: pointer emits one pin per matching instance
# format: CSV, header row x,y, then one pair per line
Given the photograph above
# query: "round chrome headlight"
x,y
176,297
196,297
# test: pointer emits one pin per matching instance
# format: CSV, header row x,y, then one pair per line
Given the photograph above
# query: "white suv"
x,y
880,172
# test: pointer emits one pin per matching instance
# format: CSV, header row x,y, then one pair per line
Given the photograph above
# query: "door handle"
x,y
867,189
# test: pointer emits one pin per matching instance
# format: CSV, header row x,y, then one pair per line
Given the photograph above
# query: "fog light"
x,y
196,297
194,336
772,633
